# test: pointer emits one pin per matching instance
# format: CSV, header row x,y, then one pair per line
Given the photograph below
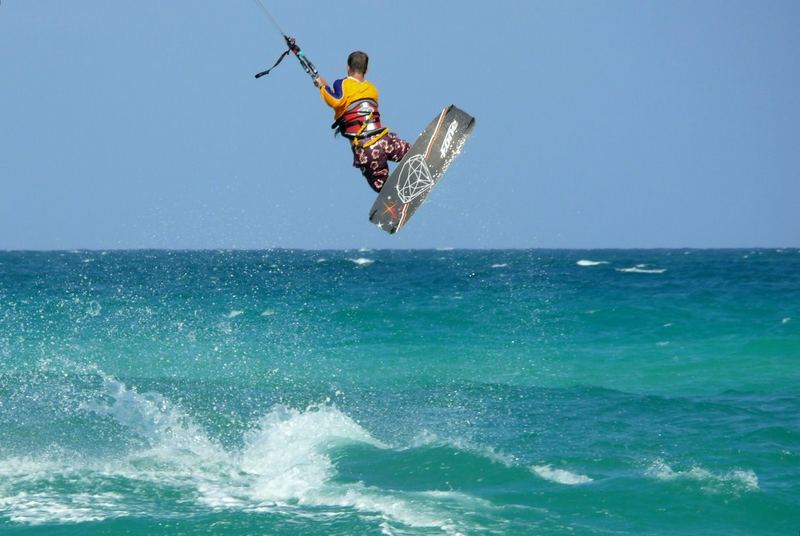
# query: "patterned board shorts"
x,y
372,160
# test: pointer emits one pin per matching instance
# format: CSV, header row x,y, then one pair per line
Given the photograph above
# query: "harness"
x,y
361,123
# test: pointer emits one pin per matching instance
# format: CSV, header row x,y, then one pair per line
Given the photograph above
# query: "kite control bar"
x,y
307,65
304,61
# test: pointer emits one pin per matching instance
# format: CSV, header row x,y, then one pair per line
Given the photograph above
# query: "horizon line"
x,y
364,248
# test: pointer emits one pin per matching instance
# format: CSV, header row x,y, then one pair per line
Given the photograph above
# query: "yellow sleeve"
x,y
329,99
334,98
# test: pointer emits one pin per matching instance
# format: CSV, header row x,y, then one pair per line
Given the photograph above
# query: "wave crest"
x,y
560,476
735,480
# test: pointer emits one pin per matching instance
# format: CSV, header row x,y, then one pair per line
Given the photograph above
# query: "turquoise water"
x,y
400,392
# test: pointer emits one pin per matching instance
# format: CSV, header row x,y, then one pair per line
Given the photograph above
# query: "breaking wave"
x,y
283,463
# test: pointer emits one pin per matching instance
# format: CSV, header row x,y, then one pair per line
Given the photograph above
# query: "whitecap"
x,y
503,265
268,312
736,479
361,261
284,460
560,476
426,438
285,451
176,452
640,269
585,262
153,418
786,320
234,313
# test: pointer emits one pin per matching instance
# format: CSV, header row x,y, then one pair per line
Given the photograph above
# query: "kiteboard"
x,y
421,168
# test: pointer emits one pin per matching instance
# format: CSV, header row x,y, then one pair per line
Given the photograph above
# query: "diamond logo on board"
x,y
415,179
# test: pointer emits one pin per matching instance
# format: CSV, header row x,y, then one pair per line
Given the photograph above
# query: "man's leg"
x,y
372,163
396,148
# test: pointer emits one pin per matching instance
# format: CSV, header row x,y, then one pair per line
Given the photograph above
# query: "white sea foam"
x,y
285,451
234,313
641,269
428,438
153,418
560,476
361,261
268,312
35,507
786,320
734,480
94,308
41,508
283,463
585,262
503,265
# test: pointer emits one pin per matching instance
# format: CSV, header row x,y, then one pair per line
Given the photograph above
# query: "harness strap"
x,y
357,116
362,119
373,139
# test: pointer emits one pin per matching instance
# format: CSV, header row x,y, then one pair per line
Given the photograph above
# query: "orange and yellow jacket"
x,y
345,92
355,108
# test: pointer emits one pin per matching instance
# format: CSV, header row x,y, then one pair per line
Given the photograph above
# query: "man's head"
x,y
357,62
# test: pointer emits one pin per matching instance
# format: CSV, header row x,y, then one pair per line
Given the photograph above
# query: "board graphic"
x,y
422,167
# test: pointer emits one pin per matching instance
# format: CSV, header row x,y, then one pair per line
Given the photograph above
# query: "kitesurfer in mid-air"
x,y
355,106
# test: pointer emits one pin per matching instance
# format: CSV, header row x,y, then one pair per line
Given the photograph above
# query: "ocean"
x,y
396,392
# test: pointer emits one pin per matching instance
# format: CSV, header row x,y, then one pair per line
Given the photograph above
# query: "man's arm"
x,y
333,96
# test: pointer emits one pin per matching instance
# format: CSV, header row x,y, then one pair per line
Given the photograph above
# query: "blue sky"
x,y
599,124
